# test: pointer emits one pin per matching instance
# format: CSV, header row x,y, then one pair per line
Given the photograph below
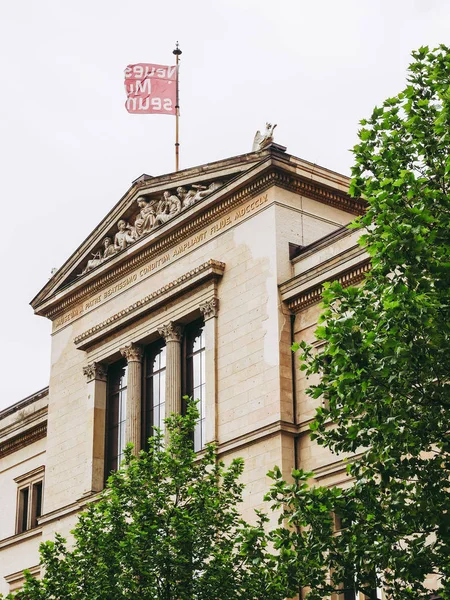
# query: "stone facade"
x,y
246,259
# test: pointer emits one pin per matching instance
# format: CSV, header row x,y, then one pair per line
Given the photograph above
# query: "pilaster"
x,y
210,310
95,426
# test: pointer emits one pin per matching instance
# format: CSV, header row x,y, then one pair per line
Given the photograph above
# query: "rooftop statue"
x,y
262,140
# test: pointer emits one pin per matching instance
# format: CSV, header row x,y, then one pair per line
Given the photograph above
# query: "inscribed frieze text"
x,y
158,262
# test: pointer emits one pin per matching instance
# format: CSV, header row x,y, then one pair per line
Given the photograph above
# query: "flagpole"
x,y
177,53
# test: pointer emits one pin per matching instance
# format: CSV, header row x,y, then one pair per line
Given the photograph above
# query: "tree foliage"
x,y
167,527
384,373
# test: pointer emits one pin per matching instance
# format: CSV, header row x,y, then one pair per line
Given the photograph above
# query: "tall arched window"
x,y
154,387
195,376
116,415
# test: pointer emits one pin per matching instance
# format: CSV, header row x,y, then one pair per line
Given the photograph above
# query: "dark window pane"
x,y
116,415
23,509
155,387
195,376
36,506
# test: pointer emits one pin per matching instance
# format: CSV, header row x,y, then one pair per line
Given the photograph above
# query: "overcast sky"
x,y
69,150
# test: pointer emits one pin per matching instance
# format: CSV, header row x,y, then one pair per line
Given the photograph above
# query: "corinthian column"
x,y
172,334
133,354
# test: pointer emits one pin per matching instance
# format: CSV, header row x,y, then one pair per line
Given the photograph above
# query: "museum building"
x,y
196,283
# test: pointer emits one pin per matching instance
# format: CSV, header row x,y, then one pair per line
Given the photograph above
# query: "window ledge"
x,y
20,537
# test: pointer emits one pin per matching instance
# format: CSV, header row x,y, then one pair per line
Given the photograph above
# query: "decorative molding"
x,y
31,475
152,213
314,294
17,538
95,370
19,577
23,403
171,332
321,193
132,352
210,308
23,439
211,268
162,242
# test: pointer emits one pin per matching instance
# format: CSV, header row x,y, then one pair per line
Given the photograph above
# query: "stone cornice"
x,y
23,439
188,223
20,537
313,294
195,277
321,193
23,403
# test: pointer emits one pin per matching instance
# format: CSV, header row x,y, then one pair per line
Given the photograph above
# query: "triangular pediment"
x,y
156,208
148,207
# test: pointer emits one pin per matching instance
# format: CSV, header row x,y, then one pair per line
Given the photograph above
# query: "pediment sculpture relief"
x,y
152,213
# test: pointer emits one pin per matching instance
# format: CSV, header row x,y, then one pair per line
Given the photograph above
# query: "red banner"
x,y
151,89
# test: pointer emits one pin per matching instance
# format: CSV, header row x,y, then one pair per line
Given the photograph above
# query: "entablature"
x,y
211,269
336,257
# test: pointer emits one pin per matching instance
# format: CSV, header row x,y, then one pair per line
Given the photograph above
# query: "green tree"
x,y
384,374
167,527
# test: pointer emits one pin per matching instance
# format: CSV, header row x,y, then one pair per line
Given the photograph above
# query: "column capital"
x,y
132,352
95,371
210,308
171,332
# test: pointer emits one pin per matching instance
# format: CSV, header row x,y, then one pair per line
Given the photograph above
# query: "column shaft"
x,y
172,335
173,378
133,354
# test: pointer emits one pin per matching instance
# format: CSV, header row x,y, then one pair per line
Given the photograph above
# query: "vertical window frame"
x,y
188,384
148,406
29,500
113,444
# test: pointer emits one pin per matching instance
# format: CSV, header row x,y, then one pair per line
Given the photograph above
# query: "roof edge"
x,y
9,410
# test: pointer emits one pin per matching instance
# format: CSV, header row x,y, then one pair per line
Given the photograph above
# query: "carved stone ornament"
x,y
95,371
261,140
210,308
108,250
170,332
132,352
152,213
